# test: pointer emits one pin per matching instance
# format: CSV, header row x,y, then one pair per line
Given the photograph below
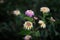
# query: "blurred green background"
x,y
7,19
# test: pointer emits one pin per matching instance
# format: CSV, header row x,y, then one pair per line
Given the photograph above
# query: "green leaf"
x,y
36,34
44,33
24,32
28,18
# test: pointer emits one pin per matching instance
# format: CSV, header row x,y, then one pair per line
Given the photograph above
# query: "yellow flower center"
x,y
28,24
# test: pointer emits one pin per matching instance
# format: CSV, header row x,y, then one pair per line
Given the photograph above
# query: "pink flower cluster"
x,y
29,13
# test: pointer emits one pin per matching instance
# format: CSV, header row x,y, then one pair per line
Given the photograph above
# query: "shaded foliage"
x,y
8,26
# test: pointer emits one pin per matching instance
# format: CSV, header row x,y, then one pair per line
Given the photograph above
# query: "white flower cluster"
x,y
28,25
16,12
44,9
27,37
42,24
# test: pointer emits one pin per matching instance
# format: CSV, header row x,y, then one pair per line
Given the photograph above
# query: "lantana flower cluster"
x,y
29,25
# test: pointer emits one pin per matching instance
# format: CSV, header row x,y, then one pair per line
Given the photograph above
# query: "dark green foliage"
x,y
10,25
